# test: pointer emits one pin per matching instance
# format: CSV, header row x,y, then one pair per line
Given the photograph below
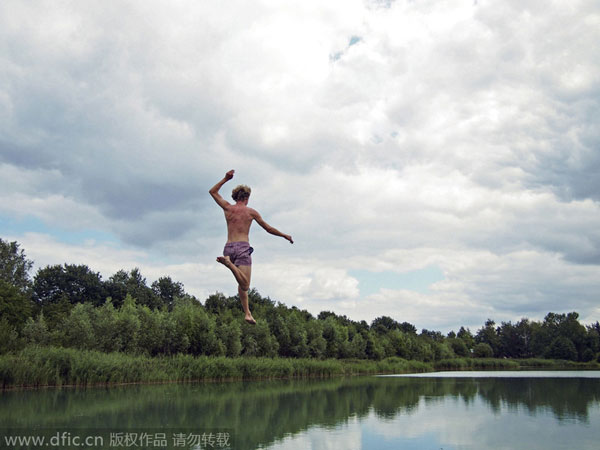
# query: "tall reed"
x,y
57,366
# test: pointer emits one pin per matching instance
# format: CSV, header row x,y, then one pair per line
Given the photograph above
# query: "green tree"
x,y
54,313
15,306
561,325
593,337
434,336
279,329
298,335
408,328
139,290
116,287
575,332
423,350
384,324
132,283
399,343
36,331
216,303
315,340
14,265
77,330
562,348
336,336
151,335
374,348
358,347
258,341
76,283
467,337
588,355
174,336
229,333
511,343
128,324
489,335
459,347
9,337
443,350
483,350
195,324
541,337
105,328
167,290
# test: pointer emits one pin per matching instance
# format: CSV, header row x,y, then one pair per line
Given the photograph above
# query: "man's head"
x,y
241,193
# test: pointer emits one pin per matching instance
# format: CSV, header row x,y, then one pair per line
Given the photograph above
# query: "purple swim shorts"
x,y
239,253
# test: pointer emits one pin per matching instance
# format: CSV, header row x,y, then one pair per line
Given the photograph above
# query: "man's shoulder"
x,y
253,212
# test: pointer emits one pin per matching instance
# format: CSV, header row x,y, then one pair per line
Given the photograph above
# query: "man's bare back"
x,y
239,218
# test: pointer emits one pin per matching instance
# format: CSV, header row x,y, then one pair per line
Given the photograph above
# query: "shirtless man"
x,y
236,254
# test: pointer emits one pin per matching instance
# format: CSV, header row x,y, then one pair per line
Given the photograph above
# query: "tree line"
x,y
72,306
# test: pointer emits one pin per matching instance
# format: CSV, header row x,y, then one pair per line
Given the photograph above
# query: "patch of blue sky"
x,y
354,40
415,280
337,55
29,224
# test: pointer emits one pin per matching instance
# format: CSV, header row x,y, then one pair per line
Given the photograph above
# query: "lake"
x,y
449,410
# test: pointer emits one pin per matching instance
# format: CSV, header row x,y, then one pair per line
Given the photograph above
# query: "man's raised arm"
x,y
214,191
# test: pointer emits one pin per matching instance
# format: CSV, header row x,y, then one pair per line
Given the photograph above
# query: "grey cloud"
x,y
132,199
460,133
572,169
80,114
26,156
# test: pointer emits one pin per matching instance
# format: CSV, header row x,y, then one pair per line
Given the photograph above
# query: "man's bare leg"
x,y
243,293
242,276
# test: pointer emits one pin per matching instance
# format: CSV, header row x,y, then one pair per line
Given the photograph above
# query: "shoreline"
x,y
56,367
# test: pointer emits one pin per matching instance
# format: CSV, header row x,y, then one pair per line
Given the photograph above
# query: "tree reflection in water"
x,y
262,412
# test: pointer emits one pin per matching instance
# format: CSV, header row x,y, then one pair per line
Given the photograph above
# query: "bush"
x,y
443,351
459,347
483,350
230,335
588,355
9,338
78,331
36,331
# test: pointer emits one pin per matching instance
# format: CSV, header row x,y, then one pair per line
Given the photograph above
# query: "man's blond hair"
x,y
241,193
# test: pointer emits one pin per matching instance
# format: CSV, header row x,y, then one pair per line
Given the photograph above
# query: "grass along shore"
x,y
56,366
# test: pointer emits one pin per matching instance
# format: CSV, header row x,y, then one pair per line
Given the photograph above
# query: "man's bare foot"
x,y
225,261
250,320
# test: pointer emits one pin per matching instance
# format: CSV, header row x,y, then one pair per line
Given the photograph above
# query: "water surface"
x,y
464,410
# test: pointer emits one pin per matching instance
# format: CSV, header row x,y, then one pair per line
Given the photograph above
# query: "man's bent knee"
x,y
244,280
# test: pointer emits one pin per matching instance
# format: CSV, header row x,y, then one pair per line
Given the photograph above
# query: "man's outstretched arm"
x,y
214,191
269,229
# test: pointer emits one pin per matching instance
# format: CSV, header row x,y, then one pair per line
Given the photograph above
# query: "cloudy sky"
x,y
435,161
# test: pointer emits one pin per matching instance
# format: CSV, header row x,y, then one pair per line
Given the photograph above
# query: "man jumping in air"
x,y
236,254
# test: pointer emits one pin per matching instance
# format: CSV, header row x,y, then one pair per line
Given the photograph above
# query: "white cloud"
x,y
384,136
347,436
